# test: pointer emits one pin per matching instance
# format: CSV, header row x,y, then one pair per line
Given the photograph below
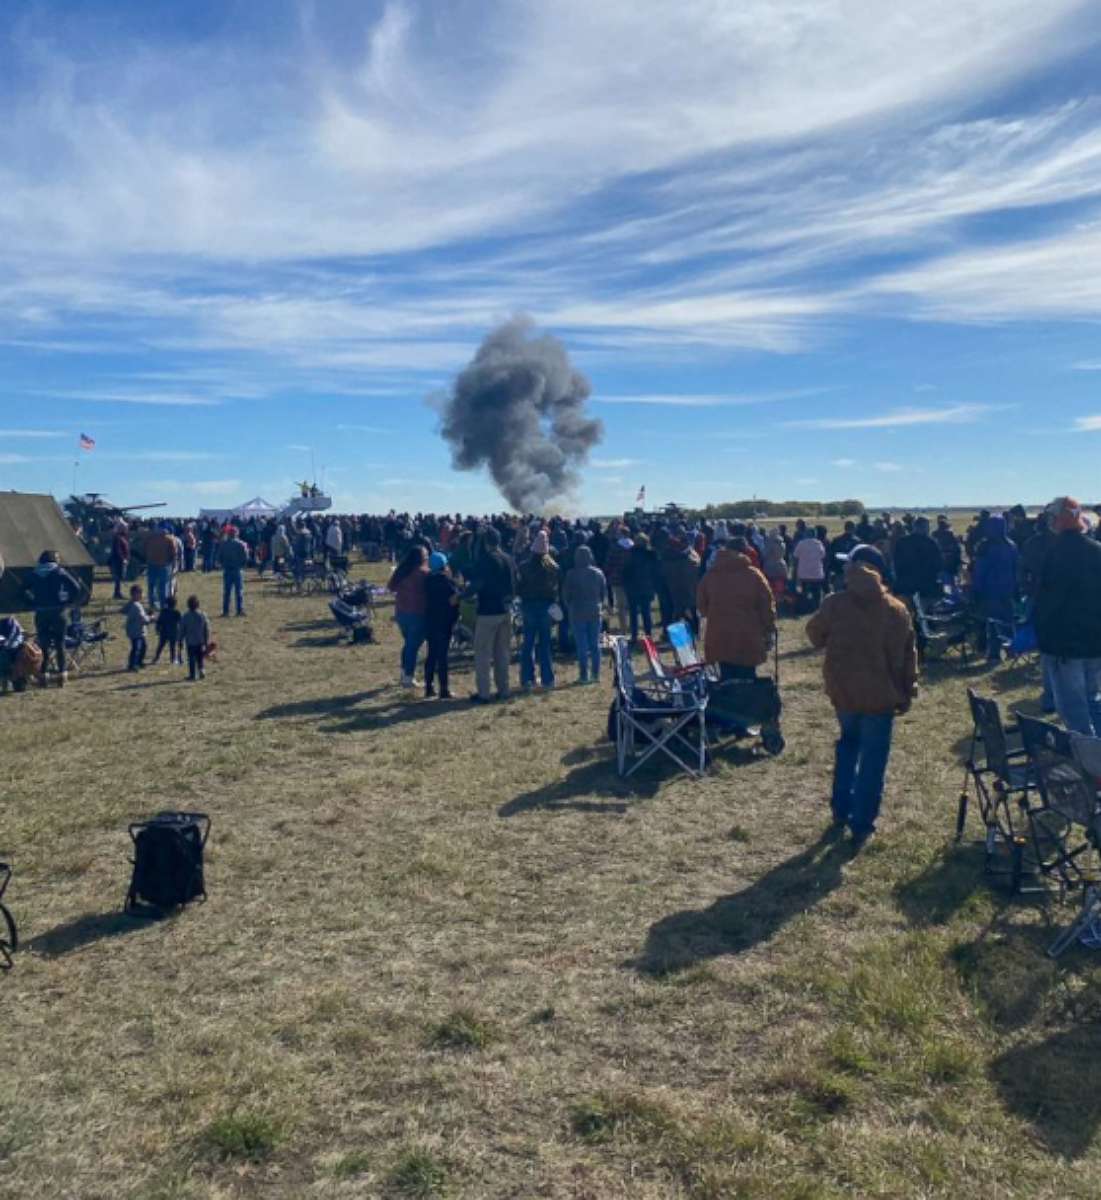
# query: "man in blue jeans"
x,y
233,555
1068,616
871,677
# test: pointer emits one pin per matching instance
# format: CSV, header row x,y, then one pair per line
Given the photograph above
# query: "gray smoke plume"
x,y
519,408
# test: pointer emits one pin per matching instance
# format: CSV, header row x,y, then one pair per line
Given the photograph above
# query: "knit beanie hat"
x,y
437,562
539,543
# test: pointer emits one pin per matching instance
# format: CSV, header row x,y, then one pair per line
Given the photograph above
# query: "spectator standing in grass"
x,y
168,633
680,567
137,621
640,573
537,585
160,562
493,584
994,583
584,594
195,628
410,606
871,677
119,560
1068,617
233,555
441,612
810,566
739,611
51,593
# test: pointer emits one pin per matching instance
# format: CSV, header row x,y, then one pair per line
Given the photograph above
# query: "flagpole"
x,y
76,464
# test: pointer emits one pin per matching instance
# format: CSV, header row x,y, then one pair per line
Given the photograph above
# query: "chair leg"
x,y
1090,912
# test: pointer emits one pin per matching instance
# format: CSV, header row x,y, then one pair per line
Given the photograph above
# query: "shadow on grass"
x,y
321,706
1055,1085
83,931
734,924
935,895
307,626
140,687
315,640
578,790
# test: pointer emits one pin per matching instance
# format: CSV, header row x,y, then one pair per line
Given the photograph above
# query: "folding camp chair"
x,y
1073,786
85,644
9,938
1001,782
1061,809
944,629
652,716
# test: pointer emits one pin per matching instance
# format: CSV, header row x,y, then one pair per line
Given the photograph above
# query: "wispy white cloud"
x,y
1088,424
1087,365
844,462
614,464
34,433
887,467
958,414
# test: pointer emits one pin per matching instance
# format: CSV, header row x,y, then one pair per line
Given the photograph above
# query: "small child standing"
x,y
195,628
441,612
168,632
136,621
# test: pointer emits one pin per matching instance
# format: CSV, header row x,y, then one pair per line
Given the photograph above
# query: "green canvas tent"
x,y
30,524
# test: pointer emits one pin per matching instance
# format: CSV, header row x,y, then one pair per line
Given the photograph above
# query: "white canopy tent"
x,y
256,507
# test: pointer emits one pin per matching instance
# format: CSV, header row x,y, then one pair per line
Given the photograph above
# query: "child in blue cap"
x,y
442,611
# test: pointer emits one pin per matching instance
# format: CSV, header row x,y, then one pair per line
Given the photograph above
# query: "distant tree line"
x,y
744,510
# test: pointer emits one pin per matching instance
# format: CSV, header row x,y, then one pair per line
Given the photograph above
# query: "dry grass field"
x,y
446,952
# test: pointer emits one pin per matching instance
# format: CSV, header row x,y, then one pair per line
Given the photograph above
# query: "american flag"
x,y
87,443
640,499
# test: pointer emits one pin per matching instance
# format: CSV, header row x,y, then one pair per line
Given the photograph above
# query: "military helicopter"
x,y
95,519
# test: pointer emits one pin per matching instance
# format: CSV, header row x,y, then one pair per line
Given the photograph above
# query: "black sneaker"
x,y
476,699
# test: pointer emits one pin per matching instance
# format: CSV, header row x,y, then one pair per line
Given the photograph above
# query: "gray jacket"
x,y
136,619
195,627
585,589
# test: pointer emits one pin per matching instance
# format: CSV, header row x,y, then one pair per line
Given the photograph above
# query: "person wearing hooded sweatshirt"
x,y
584,593
919,565
680,567
51,593
739,609
280,548
870,675
619,547
1068,617
994,581
775,563
441,610
640,583
537,586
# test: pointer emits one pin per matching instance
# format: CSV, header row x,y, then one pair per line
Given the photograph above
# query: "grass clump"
x,y
598,1119
418,1173
348,1166
463,1030
246,1137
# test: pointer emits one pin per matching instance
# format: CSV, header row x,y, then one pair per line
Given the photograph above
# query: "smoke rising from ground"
x,y
519,409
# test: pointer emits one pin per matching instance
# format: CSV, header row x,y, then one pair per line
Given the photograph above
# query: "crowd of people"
x,y
568,581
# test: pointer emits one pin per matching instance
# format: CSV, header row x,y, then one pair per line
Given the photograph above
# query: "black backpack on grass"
x,y
168,860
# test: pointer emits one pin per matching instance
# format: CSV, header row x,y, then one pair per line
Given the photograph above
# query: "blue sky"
x,y
801,249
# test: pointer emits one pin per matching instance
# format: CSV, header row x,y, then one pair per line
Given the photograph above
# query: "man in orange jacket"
x,y
871,677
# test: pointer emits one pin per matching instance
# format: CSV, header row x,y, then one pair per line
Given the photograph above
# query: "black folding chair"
x,y
85,644
652,715
943,630
9,938
1073,787
1001,777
